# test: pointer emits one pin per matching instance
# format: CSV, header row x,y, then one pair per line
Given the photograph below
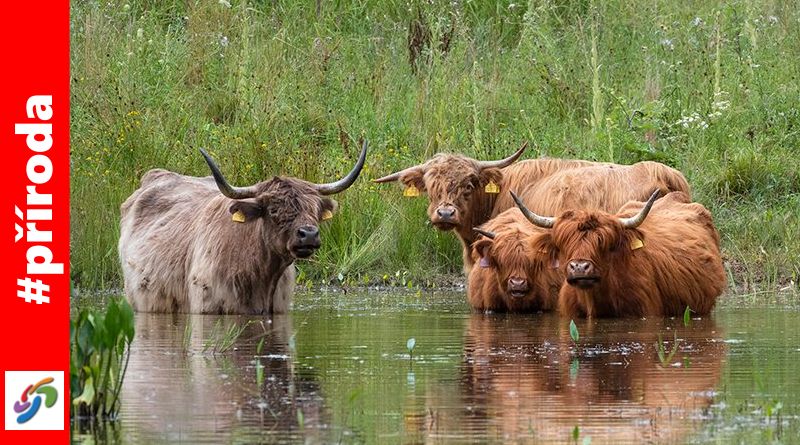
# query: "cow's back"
x,y
605,187
683,255
529,174
156,232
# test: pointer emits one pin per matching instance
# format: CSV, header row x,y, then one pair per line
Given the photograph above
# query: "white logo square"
x,y
34,400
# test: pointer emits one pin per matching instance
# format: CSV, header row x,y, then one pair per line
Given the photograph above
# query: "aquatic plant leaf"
x,y
686,316
573,368
411,343
87,395
573,331
126,319
259,374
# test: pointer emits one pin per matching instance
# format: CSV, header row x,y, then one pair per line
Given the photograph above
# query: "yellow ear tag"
x,y
637,244
411,192
492,188
326,215
238,216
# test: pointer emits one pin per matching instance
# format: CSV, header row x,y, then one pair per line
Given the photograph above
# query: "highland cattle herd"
x,y
583,238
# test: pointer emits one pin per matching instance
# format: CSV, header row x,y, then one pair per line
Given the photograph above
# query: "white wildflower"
x,y
667,43
223,41
225,3
697,21
139,33
773,20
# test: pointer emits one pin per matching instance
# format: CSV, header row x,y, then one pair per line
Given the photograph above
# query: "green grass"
x,y
273,87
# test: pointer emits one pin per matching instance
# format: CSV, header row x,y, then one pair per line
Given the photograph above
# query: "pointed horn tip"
x,y
486,233
636,220
344,183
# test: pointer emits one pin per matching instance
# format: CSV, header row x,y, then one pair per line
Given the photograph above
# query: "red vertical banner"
x,y
34,136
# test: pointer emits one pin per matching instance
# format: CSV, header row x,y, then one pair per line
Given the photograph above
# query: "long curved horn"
x,y
503,162
347,181
545,222
227,189
635,220
485,233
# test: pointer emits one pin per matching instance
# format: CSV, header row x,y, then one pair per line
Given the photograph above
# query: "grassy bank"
x,y
285,87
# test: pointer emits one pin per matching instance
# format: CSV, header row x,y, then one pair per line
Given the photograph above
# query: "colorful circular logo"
x,y
28,406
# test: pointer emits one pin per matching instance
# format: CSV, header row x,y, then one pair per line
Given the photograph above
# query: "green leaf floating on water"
x,y
573,331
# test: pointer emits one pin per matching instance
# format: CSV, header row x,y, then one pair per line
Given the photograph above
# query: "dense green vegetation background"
x,y
288,87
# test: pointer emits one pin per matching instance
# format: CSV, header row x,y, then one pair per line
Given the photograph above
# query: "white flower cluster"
x,y
693,120
719,105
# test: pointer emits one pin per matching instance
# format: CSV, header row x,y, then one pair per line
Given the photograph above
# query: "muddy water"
x,y
337,370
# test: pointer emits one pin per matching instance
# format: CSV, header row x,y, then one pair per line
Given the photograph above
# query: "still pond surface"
x,y
338,370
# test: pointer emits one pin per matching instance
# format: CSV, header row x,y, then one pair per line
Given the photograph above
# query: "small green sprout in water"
x,y
259,365
687,316
576,434
664,356
221,340
573,368
300,418
573,331
410,346
187,336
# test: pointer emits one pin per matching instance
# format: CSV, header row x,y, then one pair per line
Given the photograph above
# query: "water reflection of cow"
x,y
523,381
175,391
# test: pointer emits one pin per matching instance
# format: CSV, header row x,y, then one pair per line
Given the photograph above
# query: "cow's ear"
x,y
246,210
329,207
491,175
413,178
482,252
547,250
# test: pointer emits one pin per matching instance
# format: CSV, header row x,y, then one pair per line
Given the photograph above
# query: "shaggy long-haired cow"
x,y
654,258
200,245
464,193
510,276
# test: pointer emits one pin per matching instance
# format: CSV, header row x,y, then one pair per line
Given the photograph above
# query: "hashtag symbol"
x,y
33,291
